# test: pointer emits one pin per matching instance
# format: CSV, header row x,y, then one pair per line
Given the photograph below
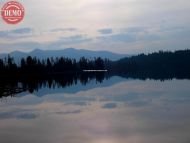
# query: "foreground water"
x,y
117,110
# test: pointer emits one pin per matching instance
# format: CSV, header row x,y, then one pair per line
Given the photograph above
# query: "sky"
x,y
120,26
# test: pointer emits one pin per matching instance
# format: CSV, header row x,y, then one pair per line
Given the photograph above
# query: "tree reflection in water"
x,y
15,86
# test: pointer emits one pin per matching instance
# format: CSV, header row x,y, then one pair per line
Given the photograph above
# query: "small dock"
x,y
95,70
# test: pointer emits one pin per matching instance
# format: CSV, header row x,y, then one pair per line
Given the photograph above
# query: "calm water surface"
x,y
117,110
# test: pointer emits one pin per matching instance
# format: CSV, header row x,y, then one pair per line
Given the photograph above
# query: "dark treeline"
x,y
158,65
32,74
34,66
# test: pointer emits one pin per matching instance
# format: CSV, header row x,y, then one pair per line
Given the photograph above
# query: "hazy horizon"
x,y
36,49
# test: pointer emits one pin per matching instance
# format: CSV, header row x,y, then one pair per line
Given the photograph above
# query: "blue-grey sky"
x,y
122,26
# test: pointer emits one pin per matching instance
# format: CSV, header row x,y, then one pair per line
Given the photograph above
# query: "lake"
x,y
109,110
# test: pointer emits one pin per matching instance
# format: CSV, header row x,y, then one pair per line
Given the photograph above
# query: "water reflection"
x,y
115,110
16,86
33,85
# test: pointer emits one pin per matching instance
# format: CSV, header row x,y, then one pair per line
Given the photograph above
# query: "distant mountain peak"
x,y
37,50
69,52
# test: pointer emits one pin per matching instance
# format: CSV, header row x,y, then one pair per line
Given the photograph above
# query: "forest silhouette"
x,y
160,63
30,74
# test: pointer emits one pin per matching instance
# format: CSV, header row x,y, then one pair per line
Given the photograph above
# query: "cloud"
x,y
76,39
21,31
27,116
105,31
16,33
120,37
135,29
17,115
31,45
109,105
134,40
69,112
100,18
63,30
132,35
78,103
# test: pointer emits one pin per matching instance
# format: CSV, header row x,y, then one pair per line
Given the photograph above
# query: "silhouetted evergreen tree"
x,y
33,66
161,63
173,64
99,64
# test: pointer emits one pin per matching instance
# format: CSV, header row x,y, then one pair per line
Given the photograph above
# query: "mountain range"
x,y
69,53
